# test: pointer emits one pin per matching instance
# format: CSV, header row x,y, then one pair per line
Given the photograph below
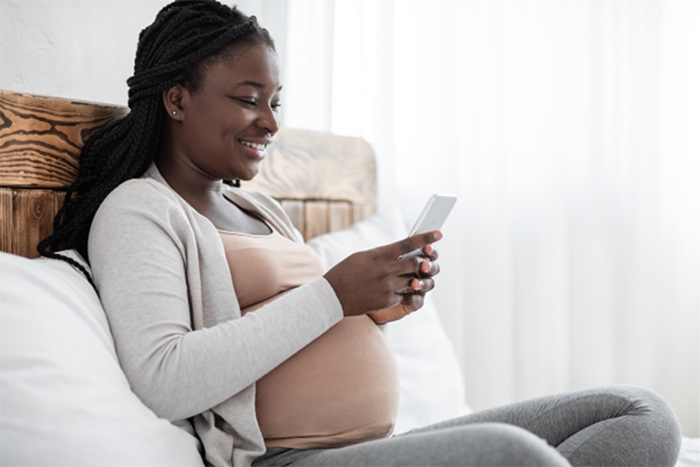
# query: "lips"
x,y
255,148
258,146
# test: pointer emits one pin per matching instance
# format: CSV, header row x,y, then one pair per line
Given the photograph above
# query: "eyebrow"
x,y
255,84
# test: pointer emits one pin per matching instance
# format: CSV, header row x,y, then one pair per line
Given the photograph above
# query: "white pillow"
x,y
63,397
430,379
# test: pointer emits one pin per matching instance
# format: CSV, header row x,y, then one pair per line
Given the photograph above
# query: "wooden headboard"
x,y
324,182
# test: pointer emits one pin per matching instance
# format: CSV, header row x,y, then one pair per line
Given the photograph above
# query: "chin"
x,y
245,173
248,177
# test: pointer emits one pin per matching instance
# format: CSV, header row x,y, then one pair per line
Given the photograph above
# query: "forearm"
x,y
182,373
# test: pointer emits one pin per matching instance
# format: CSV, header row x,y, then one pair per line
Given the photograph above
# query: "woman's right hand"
x,y
372,280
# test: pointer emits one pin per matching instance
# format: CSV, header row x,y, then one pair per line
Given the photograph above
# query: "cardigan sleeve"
x,y
141,249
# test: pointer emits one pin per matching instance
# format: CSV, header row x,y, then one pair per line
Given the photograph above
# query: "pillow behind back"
x,y
430,380
63,396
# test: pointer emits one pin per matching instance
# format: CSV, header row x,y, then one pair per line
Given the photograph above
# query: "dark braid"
x,y
186,38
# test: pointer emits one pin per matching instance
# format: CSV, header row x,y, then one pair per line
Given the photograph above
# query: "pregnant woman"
x,y
226,323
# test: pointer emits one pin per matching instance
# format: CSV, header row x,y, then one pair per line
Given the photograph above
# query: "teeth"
x,y
260,147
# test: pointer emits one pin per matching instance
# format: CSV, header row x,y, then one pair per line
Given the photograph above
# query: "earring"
x,y
174,113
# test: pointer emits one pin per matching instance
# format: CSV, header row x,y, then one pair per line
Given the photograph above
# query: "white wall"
x,y
84,49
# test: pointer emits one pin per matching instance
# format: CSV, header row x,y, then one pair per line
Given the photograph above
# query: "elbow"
x,y
164,400
164,381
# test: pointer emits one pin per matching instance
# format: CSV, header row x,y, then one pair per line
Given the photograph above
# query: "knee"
x,y
663,422
517,446
644,401
656,422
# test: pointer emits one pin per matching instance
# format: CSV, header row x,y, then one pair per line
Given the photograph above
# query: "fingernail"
x,y
424,266
428,249
437,235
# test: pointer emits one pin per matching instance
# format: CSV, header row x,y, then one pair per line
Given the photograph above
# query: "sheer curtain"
x,y
569,130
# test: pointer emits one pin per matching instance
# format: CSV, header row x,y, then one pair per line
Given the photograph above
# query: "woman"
x,y
225,323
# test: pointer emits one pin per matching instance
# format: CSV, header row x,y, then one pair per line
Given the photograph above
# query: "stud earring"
x,y
174,113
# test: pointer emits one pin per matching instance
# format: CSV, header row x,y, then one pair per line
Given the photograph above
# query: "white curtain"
x,y
569,129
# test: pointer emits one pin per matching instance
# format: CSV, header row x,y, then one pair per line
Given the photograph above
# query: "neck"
x,y
186,179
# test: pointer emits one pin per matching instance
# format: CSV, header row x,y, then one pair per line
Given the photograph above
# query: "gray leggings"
x,y
615,425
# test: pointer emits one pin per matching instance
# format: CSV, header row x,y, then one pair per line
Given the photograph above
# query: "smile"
x,y
259,147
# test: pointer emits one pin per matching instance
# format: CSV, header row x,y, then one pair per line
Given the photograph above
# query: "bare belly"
x,y
340,389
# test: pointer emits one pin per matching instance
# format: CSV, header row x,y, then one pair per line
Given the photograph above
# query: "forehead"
x,y
257,64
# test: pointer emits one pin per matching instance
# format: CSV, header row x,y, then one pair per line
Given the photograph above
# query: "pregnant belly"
x,y
340,389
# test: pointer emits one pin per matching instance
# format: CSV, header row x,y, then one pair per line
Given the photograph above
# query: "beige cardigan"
x,y
164,282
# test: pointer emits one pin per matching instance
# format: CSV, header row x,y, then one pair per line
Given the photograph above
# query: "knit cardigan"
x,y
166,287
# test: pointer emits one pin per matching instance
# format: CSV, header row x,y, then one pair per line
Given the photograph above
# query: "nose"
x,y
269,120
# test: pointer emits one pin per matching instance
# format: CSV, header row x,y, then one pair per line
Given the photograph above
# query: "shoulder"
x,y
137,191
142,204
142,197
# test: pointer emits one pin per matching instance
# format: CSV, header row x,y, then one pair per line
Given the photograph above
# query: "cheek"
x,y
237,120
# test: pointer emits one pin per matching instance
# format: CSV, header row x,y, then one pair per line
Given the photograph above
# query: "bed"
x,y
63,397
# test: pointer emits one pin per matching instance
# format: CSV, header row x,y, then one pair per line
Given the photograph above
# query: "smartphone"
x,y
433,216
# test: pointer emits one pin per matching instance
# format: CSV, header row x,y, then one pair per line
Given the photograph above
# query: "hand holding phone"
x,y
433,217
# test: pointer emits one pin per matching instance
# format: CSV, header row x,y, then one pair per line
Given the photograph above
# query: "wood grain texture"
x,y
339,216
316,218
362,211
32,219
295,210
41,138
310,165
6,220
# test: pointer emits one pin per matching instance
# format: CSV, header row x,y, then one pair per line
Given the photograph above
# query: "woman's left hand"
x,y
414,296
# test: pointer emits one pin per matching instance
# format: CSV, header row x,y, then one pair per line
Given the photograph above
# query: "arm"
x,y
140,262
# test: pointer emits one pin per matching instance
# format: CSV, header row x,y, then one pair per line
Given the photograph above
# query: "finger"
x,y
431,252
412,286
429,269
428,252
410,244
418,287
427,285
424,286
410,266
413,302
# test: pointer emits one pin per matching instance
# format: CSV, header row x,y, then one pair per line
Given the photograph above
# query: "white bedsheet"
x,y
690,453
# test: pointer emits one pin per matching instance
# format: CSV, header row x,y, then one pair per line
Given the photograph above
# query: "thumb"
x,y
416,242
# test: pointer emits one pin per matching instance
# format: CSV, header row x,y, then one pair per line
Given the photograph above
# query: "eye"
x,y
276,106
246,101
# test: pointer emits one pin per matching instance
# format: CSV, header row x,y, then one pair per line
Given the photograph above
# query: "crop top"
x,y
340,389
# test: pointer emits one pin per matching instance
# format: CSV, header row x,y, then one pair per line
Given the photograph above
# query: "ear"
x,y
172,101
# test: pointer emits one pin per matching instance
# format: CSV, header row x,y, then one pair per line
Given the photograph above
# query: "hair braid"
x,y
186,36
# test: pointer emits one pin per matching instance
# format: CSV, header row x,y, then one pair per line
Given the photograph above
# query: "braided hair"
x,y
186,38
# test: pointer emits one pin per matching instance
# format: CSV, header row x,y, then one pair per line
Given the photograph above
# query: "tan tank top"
x,y
340,389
